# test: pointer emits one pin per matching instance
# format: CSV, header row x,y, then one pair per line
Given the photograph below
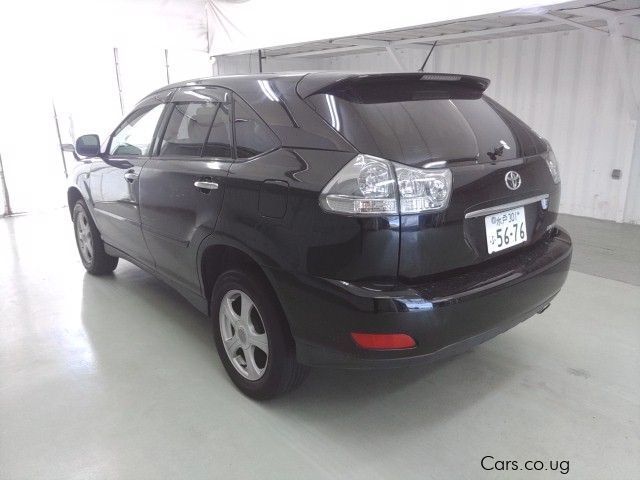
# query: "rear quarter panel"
x,y
304,239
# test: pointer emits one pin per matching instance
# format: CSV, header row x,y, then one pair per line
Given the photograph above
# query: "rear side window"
x,y
219,140
187,129
409,123
253,136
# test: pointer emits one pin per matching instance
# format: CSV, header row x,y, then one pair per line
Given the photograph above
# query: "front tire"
x,y
252,336
90,245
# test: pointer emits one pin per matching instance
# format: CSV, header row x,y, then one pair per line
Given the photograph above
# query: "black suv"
x,y
337,219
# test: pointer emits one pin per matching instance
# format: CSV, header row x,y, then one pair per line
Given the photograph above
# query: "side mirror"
x,y
88,145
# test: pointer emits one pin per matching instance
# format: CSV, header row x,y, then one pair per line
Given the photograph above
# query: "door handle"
x,y
205,185
130,177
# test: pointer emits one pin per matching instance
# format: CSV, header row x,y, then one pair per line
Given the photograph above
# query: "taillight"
x,y
365,186
369,185
552,163
423,190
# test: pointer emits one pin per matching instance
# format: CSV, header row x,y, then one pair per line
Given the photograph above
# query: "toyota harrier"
x,y
328,219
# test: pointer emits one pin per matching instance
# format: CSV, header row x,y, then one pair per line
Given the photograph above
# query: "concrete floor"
x,y
604,249
118,377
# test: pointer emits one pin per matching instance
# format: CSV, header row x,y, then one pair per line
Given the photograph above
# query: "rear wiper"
x,y
498,151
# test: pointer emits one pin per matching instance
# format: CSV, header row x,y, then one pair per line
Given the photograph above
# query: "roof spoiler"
x,y
327,82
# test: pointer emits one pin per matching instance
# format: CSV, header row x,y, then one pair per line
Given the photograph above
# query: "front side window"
x,y
253,137
190,124
133,137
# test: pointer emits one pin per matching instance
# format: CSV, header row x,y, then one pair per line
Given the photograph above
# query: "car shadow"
x,y
399,400
351,403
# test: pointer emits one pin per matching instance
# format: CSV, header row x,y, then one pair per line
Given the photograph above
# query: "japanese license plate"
x,y
505,229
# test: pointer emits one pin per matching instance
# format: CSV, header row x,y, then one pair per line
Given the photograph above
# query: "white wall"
x,y
62,51
564,85
82,84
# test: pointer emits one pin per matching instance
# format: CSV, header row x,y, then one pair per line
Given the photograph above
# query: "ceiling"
x,y
590,16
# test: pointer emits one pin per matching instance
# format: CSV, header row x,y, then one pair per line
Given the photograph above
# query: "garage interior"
x,y
117,377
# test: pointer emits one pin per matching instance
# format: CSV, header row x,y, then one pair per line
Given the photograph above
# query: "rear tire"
x,y
90,245
257,351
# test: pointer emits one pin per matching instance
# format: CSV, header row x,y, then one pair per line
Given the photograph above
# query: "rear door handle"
x,y
131,177
205,185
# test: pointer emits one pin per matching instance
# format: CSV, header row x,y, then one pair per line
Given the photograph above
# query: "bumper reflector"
x,y
383,341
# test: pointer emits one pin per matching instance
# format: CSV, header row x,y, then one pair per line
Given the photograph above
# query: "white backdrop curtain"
x,y
63,52
245,25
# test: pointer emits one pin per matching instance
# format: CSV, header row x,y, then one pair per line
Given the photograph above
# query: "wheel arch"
x,y
73,195
216,255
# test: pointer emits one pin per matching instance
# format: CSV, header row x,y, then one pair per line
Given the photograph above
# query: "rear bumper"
x,y
445,316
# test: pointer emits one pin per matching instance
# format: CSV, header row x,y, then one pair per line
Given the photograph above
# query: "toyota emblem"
x,y
513,180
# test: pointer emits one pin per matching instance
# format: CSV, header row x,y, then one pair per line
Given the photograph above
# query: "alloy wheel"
x,y
243,334
84,236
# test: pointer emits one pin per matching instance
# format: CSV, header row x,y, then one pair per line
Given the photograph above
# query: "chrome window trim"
x,y
506,206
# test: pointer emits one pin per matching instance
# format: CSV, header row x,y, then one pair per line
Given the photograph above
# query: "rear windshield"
x,y
413,123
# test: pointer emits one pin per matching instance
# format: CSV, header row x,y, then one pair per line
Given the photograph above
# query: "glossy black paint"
x,y
332,273
444,315
461,241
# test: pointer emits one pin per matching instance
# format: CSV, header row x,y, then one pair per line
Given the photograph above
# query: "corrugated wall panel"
x,y
564,84
632,210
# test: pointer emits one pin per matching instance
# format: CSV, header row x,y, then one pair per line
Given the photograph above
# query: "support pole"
x,y
260,60
166,64
5,191
428,56
622,67
394,57
72,130
117,65
64,160
215,68
578,25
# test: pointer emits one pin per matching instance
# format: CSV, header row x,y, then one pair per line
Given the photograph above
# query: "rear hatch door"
x,y
436,121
